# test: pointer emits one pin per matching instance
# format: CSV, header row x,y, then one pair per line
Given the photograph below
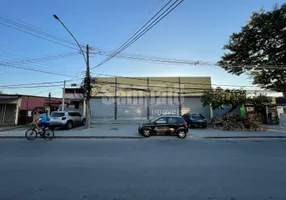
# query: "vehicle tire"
x,y
49,134
69,125
181,134
31,134
83,122
146,132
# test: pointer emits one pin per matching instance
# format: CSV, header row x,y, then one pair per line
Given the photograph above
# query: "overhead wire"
x,y
37,83
165,81
151,88
37,30
45,34
41,59
37,33
175,61
32,62
40,33
38,86
41,37
35,70
144,29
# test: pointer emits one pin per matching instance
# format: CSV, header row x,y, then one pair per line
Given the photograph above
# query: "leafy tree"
x,y
219,97
259,50
259,101
1,92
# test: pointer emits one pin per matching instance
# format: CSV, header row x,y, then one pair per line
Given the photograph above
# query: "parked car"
x,y
195,120
66,119
165,124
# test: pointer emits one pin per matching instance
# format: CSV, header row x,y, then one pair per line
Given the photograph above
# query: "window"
x,y
197,117
161,120
57,114
180,120
172,120
72,114
77,114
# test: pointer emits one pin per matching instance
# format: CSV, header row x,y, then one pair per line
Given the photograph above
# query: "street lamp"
x,y
87,78
79,46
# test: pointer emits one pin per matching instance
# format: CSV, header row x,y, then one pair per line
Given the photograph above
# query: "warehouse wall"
x,y
163,105
194,105
7,113
136,108
132,108
102,109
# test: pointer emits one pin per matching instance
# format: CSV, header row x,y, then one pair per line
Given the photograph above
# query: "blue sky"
x,y
196,30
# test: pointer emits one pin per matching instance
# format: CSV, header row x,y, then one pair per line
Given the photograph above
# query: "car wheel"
x,y
69,125
181,134
83,122
146,132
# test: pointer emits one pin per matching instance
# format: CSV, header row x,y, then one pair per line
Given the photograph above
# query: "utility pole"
x,y
49,103
180,103
63,101
87,89
87,80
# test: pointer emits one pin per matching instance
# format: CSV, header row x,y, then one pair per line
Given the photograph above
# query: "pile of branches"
x,y
230,122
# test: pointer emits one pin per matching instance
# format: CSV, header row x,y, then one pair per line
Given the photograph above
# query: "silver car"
x,y
67,119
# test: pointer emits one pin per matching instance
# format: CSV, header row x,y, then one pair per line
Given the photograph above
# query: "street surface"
x,y
159,168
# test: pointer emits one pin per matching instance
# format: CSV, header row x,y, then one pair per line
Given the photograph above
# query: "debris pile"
x,y
230,122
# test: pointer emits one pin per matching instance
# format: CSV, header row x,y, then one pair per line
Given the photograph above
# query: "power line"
x,y
164,81
38,32
144,29
159,86
57,72
175,61
40,59
38,83
188,90
39,86
38,36
43,34
50,65
35,70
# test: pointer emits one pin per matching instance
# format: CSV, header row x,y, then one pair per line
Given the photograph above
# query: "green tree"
x,y
259,101
219,97
259,50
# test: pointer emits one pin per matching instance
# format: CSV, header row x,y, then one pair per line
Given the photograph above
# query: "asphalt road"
x,y
157,168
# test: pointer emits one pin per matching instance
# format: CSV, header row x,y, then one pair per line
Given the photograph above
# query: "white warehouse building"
x,y
143,98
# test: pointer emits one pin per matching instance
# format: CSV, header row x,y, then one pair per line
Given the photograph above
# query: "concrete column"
x,y
267,111
211,112
18,105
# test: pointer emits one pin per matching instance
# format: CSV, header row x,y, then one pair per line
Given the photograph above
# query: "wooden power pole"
x,y
87,90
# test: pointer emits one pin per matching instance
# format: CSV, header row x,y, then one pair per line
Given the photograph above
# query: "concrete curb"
x,y
242,137
141,137
276,130
12,129
79,137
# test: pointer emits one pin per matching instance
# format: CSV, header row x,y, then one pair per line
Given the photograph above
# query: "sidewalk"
x,y
10,128
96,131
211,133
